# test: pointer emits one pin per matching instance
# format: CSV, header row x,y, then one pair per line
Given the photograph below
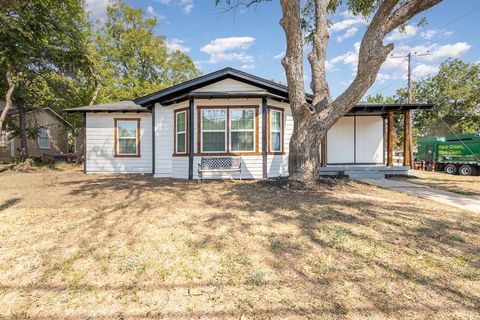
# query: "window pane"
x,y
276,120
181,122
127,146
242,141
181,142
276,141
242,119
127,129
213,119
43,138
213,141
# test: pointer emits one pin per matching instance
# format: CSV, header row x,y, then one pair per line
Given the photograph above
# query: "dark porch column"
x,y
390,139
407,138
191,146
264,137
323,151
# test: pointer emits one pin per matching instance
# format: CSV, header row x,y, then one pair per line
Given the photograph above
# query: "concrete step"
x,y
365,175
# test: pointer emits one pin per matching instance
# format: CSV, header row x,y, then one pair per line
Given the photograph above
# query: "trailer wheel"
x,y
466,170
450,168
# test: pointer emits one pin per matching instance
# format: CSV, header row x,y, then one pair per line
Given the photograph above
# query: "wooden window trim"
x,y
282,115
187,128
48,139
116,155
227,152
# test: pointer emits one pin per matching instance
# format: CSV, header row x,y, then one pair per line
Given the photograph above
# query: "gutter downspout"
x,y
191,147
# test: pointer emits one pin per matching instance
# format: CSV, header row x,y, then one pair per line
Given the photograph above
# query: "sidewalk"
x,y
471,203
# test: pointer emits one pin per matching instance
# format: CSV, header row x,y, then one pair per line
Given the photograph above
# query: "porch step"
x,y
363,171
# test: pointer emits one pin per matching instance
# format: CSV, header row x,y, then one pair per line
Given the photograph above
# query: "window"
x,y
181,132
242,130
127,141
44,138
276,130
213,123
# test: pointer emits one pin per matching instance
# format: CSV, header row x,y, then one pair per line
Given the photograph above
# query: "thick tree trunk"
x,y
23,132
304,159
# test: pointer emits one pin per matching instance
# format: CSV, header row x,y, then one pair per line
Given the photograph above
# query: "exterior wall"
x,y
277,165
356,140
229,85
58,137
100,144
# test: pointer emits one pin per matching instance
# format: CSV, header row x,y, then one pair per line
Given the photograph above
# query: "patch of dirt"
x,y
321,184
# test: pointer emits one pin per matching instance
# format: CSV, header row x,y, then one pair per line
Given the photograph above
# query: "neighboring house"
x,y
221,114
52,136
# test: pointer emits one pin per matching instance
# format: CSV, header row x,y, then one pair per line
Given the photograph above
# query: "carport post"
x,y
390,139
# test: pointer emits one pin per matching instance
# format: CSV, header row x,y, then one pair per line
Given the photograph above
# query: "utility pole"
x,y
407,115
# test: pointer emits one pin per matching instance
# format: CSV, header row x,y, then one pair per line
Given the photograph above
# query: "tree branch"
x,y
317,56
407,11
8,97
293,60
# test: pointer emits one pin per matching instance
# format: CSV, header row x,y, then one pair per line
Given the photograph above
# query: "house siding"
x,y
100,145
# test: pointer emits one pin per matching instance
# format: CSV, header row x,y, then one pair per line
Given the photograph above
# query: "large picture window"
x,y
276,130
242,130
181,132
214,130
43,138
127,140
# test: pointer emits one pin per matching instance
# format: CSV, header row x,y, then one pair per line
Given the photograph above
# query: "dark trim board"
x,y
356,163
264,138
191,146
153,140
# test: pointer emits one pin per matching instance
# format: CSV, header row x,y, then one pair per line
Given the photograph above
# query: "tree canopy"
x,y
132,59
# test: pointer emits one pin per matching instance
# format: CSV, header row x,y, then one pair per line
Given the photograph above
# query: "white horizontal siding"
x,y
277,165
180,167
100,144
229,85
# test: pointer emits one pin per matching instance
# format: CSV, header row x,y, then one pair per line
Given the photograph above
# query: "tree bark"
x,y
312,121
8,98
23,131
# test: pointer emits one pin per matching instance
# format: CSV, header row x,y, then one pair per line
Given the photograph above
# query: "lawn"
x,y
447,182
130,247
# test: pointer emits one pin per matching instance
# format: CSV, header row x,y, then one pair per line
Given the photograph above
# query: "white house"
x,y
227,113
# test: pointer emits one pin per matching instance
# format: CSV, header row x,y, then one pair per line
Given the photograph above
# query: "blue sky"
x,y
252,40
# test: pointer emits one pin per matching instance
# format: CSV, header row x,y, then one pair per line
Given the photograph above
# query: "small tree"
x,y
313,120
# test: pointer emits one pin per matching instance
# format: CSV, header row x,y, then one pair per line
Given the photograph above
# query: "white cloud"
x,y
348,58
397,34
280,55
435,33
247,66
176,44
347,35
428,34
423,70
97,9
186,5
151,11
221,49
349,21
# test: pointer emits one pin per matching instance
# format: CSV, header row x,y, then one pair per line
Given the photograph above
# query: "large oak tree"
x,y
313,120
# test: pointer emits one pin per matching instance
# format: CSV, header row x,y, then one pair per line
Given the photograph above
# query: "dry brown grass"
x,y
447,182
129,247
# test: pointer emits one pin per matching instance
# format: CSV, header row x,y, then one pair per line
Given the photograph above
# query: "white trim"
x,y
272,111
128,138
241,130
48,139
201,130
180,132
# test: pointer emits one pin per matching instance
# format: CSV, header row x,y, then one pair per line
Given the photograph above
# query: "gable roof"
x,y
13,111
182,89
120,106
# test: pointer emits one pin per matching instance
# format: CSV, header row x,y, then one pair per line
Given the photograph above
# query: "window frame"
x,y
48,139
282,131
225,130
242,130
187,131
117,138
227,152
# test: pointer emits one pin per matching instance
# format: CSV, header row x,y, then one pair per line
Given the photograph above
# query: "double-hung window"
x,y
214,130
276,130
181,132
127,137
242,130
43,138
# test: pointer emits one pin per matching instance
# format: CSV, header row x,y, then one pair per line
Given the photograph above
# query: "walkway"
x,y
471,203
